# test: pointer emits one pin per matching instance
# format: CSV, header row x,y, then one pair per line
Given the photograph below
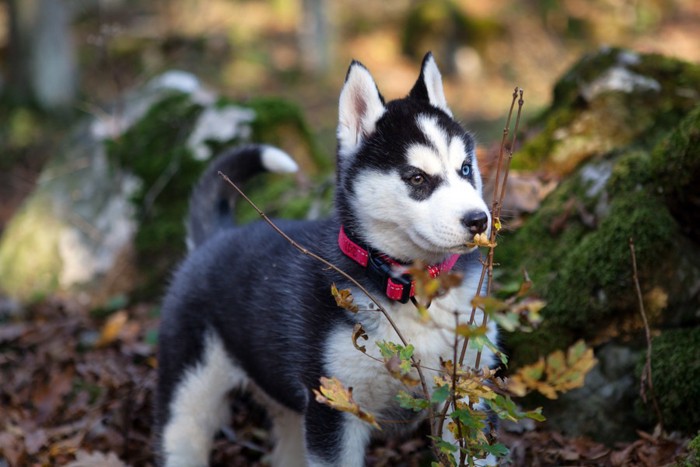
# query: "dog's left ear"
x,y
429,85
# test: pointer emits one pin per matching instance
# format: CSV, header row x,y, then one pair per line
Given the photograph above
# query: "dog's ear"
x,y
360,107
429,85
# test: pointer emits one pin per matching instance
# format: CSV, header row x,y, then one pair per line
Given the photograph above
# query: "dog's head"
x,y
408,181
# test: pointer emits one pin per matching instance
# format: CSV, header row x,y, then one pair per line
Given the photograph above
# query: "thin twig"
x,y
499,163
645,380
502,196
497,215
414,361
497,203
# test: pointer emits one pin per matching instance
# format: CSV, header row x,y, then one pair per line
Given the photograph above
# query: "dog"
x,y
248,310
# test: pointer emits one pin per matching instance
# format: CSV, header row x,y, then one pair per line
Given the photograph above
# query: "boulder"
x,y
106,217
622,133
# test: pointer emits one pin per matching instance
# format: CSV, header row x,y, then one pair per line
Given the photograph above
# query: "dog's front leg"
x,y
335,438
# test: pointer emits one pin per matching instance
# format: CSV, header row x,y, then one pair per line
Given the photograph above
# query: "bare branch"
x,y
645,379
497,203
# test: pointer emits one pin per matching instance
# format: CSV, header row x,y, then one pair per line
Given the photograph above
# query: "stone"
x,y
622,134
80,220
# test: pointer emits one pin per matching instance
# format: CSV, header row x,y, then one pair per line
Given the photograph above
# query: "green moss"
x,y
692,459
676,160
574,128
676,167
155,150
632,171
546,236
525,348
279,196
676,371
593,284
537,149
584,275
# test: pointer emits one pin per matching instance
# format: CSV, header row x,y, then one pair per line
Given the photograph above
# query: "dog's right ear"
x,y
360,107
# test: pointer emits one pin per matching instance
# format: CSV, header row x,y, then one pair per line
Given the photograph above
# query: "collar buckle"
x,y
399,287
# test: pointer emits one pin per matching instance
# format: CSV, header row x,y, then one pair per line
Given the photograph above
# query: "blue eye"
x,y
466,170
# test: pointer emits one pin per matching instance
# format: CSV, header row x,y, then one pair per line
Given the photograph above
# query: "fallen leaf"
x,y
112,328
10,332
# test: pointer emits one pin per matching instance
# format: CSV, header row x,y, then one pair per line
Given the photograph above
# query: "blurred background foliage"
x,y
63,60
300,49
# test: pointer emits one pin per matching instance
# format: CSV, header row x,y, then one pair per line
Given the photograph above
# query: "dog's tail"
x,y
212,200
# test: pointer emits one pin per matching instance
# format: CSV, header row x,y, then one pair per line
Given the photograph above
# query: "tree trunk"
x,y
313,36
41,54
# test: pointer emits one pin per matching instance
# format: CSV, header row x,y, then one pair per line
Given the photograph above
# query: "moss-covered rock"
x,y
623,133
676,165
610,99
118,189
158,150
281,123
675,368
692,459
154,149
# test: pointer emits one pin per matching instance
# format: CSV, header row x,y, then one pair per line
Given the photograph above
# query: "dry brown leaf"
x,y
344,299
359,332
333,394
111,329
556,374
47,399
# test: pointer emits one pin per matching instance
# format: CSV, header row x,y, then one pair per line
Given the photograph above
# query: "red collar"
x,y
381,268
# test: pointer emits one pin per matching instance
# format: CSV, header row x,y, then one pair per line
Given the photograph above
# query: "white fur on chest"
x,y
373,387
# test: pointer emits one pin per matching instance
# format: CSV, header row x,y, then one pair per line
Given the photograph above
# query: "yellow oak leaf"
x,y
333,394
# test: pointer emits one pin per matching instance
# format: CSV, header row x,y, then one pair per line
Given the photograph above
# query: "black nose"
x,y
476,221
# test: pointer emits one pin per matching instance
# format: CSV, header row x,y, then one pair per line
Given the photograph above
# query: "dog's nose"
x,y
476,221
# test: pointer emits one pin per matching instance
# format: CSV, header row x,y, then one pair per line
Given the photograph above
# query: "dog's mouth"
x,y
460,248
475,241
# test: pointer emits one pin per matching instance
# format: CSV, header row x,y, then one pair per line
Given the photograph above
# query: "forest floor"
x,y
77,389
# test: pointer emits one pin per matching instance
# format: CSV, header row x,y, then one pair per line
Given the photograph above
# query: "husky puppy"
x,y
247,310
